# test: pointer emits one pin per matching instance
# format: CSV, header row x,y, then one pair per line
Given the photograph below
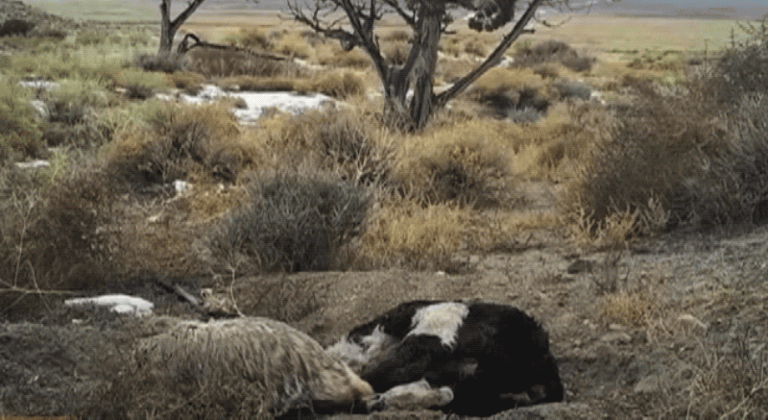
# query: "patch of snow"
x,y
118,303
33,164
182,187
38,84
258,102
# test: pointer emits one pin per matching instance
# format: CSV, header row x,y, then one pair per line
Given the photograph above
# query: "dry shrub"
x,y
656,147
699,157
402,232
552,146
743,68
179,141
629,309
252,38
50,242
505,79
21,135
659,60
396,52
159,62
397,35
293,44
264,84
451,70
340,85
331,54
214,62
466,164
255,368
461,44
344,141
552,51
294,223
730,380
186,81
73,115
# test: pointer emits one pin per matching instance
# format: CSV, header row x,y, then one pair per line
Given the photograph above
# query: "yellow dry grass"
x,y
404,232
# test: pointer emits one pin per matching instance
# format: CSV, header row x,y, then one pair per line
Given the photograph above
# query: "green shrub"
x,y
295,223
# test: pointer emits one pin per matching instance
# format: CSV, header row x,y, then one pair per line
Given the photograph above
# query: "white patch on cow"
x,y
441,320
372,347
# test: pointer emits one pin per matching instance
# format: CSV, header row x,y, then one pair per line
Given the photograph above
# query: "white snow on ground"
x,y
121,304
258,102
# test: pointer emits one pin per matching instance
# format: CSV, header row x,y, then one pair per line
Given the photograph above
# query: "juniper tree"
x,y
353,23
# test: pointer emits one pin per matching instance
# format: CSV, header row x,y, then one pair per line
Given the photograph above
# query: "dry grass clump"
x,y
629,309
729,380
659,60
396,52
552,51
655,149
294,223
464,43
467,164
344,141
189,82
257,38
177,142
402,232
506,79
214,62
165,63
340,85
743,68
73,117
50,241
293,44
21,136
682,154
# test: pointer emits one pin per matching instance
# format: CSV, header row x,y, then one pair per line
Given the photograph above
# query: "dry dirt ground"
x,y
634,330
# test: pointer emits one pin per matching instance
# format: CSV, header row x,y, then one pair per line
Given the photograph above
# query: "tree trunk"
x,y
417,73
421,107
167,31
168,27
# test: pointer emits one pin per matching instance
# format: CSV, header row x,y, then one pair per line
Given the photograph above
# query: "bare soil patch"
x,y
709,301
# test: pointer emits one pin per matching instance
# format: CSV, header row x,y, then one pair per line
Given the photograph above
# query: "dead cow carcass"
x,y
491,356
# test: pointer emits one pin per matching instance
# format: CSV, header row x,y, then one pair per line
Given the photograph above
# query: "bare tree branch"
x,y
493,60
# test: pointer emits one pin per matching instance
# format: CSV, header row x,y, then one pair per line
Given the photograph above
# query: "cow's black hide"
x,y
493,356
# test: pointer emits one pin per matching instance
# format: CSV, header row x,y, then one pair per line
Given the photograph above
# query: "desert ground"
x,y
630,220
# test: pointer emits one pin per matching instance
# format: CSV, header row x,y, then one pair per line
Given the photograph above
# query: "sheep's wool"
x,y
441,320
288,366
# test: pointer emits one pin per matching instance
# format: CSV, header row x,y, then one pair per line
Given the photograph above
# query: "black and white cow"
x,y
492,356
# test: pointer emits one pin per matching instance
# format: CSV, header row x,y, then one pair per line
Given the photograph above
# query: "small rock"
x,y
617,337
650,383
33,164
691,323
580,266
